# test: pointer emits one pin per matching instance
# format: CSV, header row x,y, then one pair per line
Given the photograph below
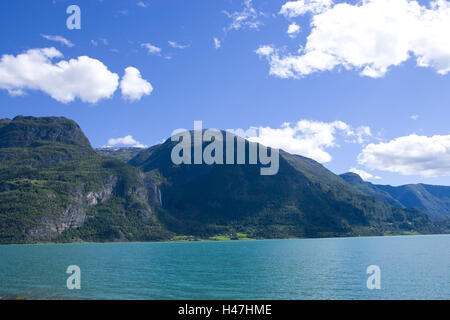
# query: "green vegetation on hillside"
x,y
303,200
44,187
55,187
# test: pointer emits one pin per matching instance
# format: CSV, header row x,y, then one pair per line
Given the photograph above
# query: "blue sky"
x,y
405,106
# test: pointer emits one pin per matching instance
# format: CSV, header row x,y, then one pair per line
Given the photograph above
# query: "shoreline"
x,y
225,240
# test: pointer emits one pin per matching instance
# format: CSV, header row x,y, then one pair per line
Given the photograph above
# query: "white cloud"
x,y
248,17
85,78
217,43
364,174
174,44
410,155
151,48
264,51
293,30
415,117
293,9
371,36
59,39
133,86
359,135
142,4
126,141
306,138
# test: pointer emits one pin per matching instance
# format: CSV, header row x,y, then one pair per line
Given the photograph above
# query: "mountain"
x,y
303,199
433,200
124,153
54,186
25,131
370,189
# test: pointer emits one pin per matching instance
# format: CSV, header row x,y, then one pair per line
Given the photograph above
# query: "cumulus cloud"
x,y
59,39
132,85
85,78
371,37
307,138
293,9
293,30
151,49
247,18
363,174
217,43
128,141
410,155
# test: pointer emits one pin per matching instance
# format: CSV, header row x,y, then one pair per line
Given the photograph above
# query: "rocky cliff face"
x,y
153,190
72,215
54,186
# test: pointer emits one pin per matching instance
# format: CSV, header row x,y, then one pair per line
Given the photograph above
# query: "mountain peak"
x,y
23,131
352,178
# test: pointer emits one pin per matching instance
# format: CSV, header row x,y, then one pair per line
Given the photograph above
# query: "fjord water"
x,y
412,267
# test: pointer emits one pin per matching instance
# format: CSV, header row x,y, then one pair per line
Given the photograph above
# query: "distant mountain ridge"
x,y
431,199
121,153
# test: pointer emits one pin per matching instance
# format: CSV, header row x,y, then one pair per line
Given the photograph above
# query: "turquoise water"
x,y
412,267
